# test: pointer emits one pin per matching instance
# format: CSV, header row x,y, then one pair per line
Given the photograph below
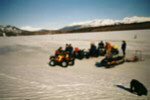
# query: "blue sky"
x,y
53,14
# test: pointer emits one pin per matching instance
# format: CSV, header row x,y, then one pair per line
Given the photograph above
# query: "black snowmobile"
x,y
112,61
81,54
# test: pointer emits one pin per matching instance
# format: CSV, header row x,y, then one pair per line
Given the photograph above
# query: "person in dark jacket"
x,y
92,49
101,45
67,48
123,47
70,50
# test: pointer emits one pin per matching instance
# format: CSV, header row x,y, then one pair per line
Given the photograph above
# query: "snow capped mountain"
x,y
97,22
106,22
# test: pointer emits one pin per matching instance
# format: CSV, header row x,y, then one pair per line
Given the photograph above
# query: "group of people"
x,y
114,48
93,49
60,53
68,49
110,49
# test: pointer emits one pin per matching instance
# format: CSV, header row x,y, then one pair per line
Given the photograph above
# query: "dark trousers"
x,y
124,52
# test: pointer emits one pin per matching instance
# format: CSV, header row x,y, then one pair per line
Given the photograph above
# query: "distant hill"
x,y
67,28
14,31
9,30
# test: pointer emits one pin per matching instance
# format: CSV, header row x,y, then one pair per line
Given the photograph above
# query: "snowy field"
x,y
26,75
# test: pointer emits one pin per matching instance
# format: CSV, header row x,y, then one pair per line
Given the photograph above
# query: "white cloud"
x,y
30,28
104,22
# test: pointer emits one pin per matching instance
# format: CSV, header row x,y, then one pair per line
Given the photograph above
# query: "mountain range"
x,y
89,26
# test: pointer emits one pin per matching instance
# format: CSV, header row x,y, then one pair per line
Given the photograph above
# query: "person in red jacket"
x,y
76,49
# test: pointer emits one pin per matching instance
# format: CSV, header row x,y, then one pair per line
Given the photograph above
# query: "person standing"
x,y
123,47
108,48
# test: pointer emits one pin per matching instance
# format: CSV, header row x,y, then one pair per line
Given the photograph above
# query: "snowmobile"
x,y
89,54
62,60
81,54
112,61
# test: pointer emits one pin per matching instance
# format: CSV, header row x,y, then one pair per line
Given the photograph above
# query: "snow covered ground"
x,y
26,75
